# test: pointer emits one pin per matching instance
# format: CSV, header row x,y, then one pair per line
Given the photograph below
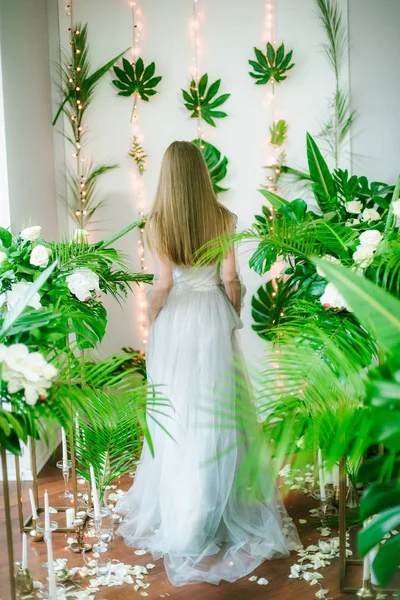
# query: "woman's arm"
x,y
231,280
160,290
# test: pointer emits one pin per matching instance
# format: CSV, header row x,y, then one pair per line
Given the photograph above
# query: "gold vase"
x,y
24,581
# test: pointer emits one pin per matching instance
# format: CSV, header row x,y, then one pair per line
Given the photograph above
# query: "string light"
x,y
196,61
141,303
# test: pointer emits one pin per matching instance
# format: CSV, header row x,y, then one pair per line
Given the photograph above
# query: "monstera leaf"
x,y
134,78
216,163
272,65
202,102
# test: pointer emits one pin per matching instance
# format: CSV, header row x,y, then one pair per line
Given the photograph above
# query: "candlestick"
x,y
24,564
64,450
33,506
96,503
321,476
49,544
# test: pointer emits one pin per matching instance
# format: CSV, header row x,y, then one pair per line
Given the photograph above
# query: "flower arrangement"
x,y
84,271
47,313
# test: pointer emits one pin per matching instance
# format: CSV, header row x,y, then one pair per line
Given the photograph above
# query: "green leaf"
x,y
139,67
203,84
379,496
275,200
216,163
387,561
383,523
149,71
5,237
323,184
377,310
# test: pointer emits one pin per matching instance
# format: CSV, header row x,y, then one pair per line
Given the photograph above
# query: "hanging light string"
x,y
137,139
74,69
196,60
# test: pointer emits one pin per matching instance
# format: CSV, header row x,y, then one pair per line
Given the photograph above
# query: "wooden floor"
x,y
279,588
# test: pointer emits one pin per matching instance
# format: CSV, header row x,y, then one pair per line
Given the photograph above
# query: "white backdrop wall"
x,y
229,30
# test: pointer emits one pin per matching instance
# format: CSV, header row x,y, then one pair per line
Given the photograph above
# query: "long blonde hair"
x,y
186,213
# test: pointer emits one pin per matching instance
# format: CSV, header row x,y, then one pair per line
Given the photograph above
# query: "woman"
x,y
190,502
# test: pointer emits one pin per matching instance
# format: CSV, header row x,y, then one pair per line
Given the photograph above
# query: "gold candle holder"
x,y
366,590
23,581
36,536
80,545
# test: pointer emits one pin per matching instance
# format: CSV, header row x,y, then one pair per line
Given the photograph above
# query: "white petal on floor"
x,y
140,552
263,581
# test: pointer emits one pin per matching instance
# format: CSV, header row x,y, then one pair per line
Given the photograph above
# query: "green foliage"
x,y
272,65
138,154
337,128
77,85
216,163
378,312
202,101
278,131
134,78
323,184
82,192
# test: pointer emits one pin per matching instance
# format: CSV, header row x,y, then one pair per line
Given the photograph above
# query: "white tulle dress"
x,y
185,504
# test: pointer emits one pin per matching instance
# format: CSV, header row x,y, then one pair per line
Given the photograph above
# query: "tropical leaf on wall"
x,y
323,184
216,163
202,101
77,82
82,198
337,128
134,78
278,131
138,155
271,65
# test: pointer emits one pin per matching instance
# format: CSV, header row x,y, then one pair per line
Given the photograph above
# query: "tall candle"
x,y
96,503
366,562
335,476
321,476
33,505
64,450
49,543
24,564
70,517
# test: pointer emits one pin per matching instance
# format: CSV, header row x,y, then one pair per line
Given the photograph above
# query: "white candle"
x,y
96,504
321,476
335,476
24,564
64,450
70,517
49,543
366,562
33,505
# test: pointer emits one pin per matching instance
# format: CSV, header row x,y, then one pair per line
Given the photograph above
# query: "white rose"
x,y
396,212
31,233
3,257
332,298
26,371
80,235
40,256
3,352
330,259
352,222
82,282
363,255
16,293
370,214
354,207
371,238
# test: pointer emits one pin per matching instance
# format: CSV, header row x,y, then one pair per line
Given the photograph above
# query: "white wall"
x,y
25,65
229,31
375,87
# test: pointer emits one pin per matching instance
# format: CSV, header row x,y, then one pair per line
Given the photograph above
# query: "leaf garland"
x,y
216,163
272,65
134,78
202,102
